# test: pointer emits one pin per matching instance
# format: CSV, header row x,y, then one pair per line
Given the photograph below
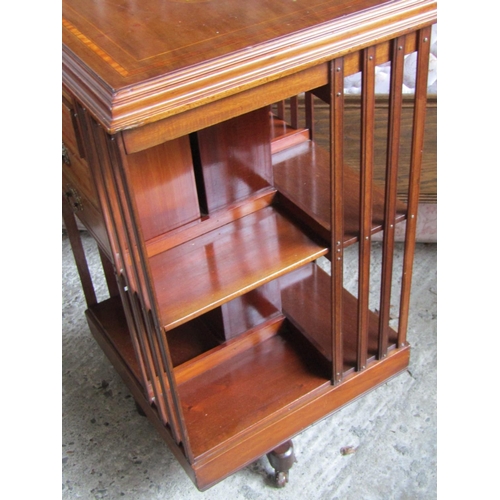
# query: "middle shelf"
x,y
228,262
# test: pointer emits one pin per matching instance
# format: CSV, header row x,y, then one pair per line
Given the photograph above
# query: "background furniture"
x,y
185,156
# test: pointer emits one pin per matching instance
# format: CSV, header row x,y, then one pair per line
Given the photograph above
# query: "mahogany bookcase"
x,y
189,155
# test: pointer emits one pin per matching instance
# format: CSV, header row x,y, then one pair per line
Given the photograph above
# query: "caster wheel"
x,y
282,459
281,478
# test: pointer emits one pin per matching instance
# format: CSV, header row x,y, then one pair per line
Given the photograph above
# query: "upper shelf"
x,y
226,263
302,175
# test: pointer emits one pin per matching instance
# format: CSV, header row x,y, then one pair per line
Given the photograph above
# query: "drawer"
x,y
71,134
88,214
78,172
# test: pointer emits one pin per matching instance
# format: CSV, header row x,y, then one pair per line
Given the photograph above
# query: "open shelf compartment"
x,y
302,177
229,389
227,262
306,303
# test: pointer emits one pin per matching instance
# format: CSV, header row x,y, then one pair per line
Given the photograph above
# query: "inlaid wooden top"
x,y
135,61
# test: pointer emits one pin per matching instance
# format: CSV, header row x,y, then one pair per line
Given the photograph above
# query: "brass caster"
x,y
281,478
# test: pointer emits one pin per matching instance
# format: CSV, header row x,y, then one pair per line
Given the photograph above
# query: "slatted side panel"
x,y
104,188
126,279
139,261
137,298
373,337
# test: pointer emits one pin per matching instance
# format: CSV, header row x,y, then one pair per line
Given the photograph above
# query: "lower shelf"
x,y
245,404
305,298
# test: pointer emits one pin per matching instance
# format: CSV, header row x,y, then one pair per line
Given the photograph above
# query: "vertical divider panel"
x,y
336,76
103,188
391,186
423,48
365,197
150,312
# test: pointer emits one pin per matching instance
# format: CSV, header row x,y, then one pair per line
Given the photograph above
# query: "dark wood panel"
x,y
235,158
163,183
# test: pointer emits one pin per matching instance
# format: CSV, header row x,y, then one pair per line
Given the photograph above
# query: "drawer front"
x,y
70,132
74,163
77,170
86,212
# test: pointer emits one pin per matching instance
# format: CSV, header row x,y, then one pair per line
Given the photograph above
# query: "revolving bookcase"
x,y
189,154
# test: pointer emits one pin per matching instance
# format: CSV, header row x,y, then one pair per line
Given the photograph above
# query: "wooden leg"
x,y
282,460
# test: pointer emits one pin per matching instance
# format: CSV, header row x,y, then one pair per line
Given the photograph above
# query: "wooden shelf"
x,y
110,318
306,303
226,263
284,136
185,342
247,389
275,369
302,176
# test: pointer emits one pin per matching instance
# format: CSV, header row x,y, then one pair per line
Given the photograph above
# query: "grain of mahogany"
x,y
216,408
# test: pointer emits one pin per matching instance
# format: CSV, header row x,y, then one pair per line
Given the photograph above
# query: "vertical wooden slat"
x,y
78,253
109,274
281,110
309,105
142,351
294,112
177,419
423,48
336,76
366,181
391,184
